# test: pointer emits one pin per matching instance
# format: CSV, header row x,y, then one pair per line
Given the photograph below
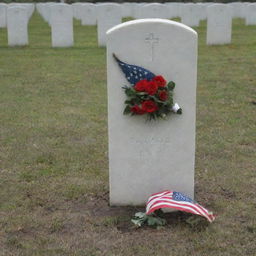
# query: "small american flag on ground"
x,y
179,201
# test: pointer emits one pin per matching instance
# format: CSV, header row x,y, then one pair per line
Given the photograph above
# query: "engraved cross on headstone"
x,y
151,40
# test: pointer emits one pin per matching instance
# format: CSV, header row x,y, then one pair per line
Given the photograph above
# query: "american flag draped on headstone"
x,y
134,73
179,201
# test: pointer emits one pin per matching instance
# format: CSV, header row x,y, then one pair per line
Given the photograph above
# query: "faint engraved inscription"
x,y
151,40
150,141
151,148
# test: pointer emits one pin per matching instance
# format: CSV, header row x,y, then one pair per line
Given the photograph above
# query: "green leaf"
x,y
155,99
155,221
128,102
127,110
171,85
151,221
141,218
140,214
179,112
137,222
130,92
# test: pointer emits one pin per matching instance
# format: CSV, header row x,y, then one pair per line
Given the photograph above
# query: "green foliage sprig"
x,y
141,218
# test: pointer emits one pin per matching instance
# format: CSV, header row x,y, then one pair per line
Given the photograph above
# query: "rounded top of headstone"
x,y
107,4
151,21
88,4
16,8
108,7
60,7
153,4
74,4
218,7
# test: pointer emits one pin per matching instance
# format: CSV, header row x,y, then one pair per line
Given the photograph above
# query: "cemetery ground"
x,y
53,153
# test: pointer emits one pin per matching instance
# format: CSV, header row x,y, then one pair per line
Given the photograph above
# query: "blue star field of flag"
x,y
177,196
134,73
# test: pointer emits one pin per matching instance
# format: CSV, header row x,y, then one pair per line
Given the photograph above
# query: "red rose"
x,y
163,95
151,87
141,85
149,106
160,81
137,110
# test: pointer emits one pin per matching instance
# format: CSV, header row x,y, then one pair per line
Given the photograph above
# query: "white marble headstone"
x,y
147,157
77,10
190,15
136,10
127,9
243,10
88,14
173,10
154,10
108,16
219,24
3,9
47,11
30,7
17,26
62,25
236,9
250,14
202,10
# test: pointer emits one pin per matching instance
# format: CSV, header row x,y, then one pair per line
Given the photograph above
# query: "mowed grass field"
x,y
53,153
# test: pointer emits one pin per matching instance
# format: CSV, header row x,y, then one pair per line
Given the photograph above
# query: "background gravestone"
x,y
28,6
3,8
136,10
190,14
47,11
62,25
173,10
250,14
147,157
219,24
154,10
17,26
127,9
236,9
88,14
77,7
108,16
202,11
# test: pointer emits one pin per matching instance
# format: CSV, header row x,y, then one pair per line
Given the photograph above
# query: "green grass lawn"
x,y
53,152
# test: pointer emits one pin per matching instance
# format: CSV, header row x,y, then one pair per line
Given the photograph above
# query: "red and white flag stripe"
x,y
165,199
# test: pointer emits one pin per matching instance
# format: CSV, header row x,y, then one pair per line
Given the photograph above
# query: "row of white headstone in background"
x,y
17,17
190,13
60,18
165,10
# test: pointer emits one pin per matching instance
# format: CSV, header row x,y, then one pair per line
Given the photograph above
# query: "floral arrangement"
x,y
151,97
149,94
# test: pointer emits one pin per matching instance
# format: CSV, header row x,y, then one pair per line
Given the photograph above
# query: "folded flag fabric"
x,y
179,201
134,73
